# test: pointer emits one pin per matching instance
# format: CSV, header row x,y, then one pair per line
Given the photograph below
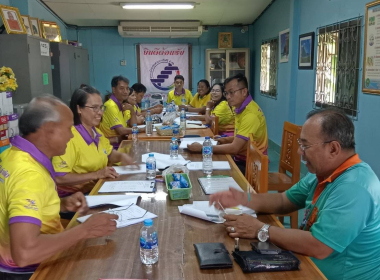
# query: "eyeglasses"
x,y
96,109
216,90
226,93
305,147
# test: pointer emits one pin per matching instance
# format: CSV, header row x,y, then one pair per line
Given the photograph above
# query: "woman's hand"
x,y
107,172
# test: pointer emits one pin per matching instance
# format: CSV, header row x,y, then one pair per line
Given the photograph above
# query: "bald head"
x,y
40,110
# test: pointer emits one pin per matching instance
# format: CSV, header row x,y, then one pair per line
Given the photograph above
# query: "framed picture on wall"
x,y
35,24
284,45
306,51
50,31
27,24
225,40
12,20
371,58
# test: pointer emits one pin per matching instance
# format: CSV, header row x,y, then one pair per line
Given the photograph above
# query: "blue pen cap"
x,y
148,222
207,137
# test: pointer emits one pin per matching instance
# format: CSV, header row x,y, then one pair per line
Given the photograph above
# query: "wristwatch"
x,y
263,233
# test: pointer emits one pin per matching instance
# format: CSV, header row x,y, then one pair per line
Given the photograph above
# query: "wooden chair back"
x,y
215,125
290,160
256,171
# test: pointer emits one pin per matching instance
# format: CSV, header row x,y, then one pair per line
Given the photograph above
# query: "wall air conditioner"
x,y
160,29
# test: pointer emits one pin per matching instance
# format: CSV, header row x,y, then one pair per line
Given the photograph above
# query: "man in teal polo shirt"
x,y
341,227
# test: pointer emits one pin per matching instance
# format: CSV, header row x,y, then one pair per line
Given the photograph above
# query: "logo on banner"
x,y
162,74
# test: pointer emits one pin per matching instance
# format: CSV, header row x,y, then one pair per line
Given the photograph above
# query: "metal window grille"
x,y
268,73
337,70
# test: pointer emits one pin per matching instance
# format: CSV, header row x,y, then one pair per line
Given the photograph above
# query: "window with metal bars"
x,y
337,68
268,73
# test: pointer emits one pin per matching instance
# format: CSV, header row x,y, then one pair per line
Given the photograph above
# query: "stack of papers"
x,y
128,186
130,169
163,161
216,184
202,210
128,215
216,165
118,200
188,141
178,121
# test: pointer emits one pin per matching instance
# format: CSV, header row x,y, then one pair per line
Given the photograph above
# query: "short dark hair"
x,y
206,83
79,98
222,90
40,110
239,77
179,77
138,87
337,126
115,80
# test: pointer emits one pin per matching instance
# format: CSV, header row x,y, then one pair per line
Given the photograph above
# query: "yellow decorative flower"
x,y
7,79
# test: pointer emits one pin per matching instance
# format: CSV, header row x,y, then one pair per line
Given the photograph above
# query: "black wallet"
x,y
212,255
251,261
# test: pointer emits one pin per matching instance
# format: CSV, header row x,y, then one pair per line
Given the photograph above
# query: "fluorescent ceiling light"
x,y
155,6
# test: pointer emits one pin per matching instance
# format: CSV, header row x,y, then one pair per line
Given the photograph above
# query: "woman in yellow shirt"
x,y
218,106
200,99
89,152
132,99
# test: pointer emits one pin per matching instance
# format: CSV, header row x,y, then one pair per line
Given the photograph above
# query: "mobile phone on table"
x,y
265,248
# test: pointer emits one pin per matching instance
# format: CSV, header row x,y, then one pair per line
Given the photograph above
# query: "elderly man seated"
x,y
341,194
30,227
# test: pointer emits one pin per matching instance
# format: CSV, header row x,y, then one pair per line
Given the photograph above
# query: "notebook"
x,y
216,184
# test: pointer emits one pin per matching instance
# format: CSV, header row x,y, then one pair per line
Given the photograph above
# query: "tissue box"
x,y
13,125
4,143
4,134
7,103
3,122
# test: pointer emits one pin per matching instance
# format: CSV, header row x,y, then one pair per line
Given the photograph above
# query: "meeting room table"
x,y
119,257
200,132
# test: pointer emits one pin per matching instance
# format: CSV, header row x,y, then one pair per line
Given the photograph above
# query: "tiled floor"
x,y
274,158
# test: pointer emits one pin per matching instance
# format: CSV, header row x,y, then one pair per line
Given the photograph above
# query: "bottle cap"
x,y
174,138
148,111
148,222
151,155
134,124
207,137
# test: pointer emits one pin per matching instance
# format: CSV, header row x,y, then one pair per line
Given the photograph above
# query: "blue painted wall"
x,y
106,48
35,8
296,87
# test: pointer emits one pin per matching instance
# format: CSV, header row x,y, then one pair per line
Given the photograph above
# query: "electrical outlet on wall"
x,y
123,62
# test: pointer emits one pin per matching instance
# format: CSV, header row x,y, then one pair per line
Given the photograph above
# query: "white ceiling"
x,y
109,13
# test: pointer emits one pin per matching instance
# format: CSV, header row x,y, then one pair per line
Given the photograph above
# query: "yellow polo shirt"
x,y
113,117
250,119
84,153
178,98
137,109
27,195
225,114
199,102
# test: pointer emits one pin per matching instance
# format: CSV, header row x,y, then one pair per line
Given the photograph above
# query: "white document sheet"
x,y
130,169
202,210
178,121
200,140
128,215
154,126
195,126
163,160
119,200
128,186
216,165
218,184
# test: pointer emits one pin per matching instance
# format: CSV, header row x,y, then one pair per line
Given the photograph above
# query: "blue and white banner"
x,y
159,64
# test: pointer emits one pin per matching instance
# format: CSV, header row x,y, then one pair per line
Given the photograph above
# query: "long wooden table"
x,y
202,132
119,258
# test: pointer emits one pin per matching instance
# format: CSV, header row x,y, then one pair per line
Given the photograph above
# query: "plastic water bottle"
x,y
183,100
135,133
207,156
148,243
148,123
174,148
147,103
175,128
151,167
183,121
